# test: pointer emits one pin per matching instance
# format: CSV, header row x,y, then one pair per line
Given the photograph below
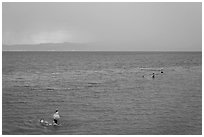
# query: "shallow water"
x,y
102,92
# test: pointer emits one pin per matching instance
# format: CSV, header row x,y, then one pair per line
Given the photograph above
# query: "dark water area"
x,y
102,92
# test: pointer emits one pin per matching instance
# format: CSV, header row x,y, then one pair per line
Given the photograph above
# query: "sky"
x,y
109,26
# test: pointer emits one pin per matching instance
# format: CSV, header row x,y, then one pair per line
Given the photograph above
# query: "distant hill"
x,y
50,47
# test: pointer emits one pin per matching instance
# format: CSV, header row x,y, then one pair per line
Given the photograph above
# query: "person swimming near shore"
x,y
56,117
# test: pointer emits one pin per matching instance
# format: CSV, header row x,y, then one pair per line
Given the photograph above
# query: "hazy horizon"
x,y
103,26
77,47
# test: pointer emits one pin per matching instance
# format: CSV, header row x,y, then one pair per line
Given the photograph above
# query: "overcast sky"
x,y
125,26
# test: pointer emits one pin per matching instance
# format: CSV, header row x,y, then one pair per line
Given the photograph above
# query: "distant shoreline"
x,y
100,51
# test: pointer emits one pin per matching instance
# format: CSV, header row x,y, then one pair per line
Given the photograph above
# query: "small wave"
x,y
26,86
152,69
93,83
19,78
50,89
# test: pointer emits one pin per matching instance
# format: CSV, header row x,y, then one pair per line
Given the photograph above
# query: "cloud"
x,y
144,26
46,36
51,37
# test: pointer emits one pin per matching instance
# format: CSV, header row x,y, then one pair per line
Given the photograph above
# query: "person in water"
x,y
56,117
153,75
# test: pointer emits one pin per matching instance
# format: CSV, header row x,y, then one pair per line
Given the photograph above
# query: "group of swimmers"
x,y
56,118
153,75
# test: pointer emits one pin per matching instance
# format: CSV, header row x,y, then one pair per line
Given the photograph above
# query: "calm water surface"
x,y
102,92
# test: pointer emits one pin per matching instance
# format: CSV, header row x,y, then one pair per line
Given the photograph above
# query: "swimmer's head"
x,y
41,120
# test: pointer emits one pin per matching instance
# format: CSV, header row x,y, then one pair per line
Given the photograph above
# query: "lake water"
x,y
102,92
